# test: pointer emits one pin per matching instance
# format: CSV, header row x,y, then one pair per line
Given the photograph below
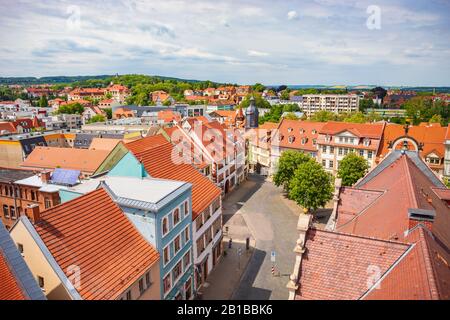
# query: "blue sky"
x,y
273,42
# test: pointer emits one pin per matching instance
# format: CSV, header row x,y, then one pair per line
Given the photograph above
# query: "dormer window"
x,y
314,131
366,142
314,142
304,140
289,129
291,139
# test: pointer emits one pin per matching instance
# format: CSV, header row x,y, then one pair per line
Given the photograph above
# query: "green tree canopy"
x,y
259,101
357,117
73,108
311,186
287,164
365,104
108,112
324,116
43,102
352,168
97,118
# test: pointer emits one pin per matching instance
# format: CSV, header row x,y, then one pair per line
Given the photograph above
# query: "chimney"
x,y
33,212
303,224
45,176
421,216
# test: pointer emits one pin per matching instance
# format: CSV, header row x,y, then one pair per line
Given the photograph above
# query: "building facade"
x,y
336,103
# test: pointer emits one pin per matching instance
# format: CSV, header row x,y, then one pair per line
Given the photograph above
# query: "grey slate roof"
x,y
18,267
8,175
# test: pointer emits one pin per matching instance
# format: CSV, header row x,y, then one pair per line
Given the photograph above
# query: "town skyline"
x,y
243,42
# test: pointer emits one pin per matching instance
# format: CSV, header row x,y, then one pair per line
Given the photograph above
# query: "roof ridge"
x,y
410,185
360,236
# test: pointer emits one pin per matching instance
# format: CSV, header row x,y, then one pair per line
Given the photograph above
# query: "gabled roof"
x,y
84,160
302,133
362,130
407,183
422,274
94,234
156,154
16,279
104,144
432,137
336,266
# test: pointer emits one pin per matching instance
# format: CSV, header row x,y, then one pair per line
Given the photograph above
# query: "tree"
x,y
436,118
352,168
357,117
259,102
365,104
311,186
167,103
291,116
43,102
73,108
97,118
108,112
323,116
287,164
258,87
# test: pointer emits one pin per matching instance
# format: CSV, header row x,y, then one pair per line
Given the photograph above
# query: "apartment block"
x,y
337,103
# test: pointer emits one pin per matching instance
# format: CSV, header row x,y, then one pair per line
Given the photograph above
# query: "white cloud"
x,y
254,53
292,15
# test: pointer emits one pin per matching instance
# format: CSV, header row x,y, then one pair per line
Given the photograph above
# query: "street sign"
x,y
272,256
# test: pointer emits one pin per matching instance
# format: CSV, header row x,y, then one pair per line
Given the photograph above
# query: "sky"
x,y
328,42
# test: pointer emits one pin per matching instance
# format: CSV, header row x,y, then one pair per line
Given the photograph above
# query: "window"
x,y
330,164
361,153
199,222
165,226
324,149
48,203
129,295
188,289
177,244
141,286
33,195
177,271
166,255
340,151
186,207
324,163
167,283
176,216
20,247
200,246
187,259
41,282
369,155
186,234
208,235
5,211
148,279
291,139
12,211
331,150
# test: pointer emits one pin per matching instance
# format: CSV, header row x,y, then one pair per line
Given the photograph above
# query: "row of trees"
x,y
307,183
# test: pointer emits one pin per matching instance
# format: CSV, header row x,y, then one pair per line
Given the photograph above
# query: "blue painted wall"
x,y
67,195
128,166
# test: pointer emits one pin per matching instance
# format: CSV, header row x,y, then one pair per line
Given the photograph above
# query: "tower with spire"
x,y
251,115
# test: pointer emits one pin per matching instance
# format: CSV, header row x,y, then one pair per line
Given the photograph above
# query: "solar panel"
x,y
65,176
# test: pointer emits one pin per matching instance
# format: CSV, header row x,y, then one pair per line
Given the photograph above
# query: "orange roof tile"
x,y
431,136
155,153
299,130
10,288
84,160
104,144
94,234
366,130
335,265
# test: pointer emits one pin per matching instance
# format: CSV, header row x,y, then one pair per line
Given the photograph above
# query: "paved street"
x,y
272,222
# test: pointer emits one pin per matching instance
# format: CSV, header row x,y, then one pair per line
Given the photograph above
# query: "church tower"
x,y
251,115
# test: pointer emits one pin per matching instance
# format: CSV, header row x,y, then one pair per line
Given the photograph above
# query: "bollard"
x,y
247,243
230,242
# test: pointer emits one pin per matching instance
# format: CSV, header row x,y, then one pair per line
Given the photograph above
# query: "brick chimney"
x,y
45,176
421,216
33,212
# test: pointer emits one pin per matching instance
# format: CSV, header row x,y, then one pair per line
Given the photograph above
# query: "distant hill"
x,y
69,79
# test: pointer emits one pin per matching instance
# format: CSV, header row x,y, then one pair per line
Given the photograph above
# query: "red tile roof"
x,y
10,288
404,186
299,130
336,265
432,138
362,130
155,153
447,135
423,274
93,233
